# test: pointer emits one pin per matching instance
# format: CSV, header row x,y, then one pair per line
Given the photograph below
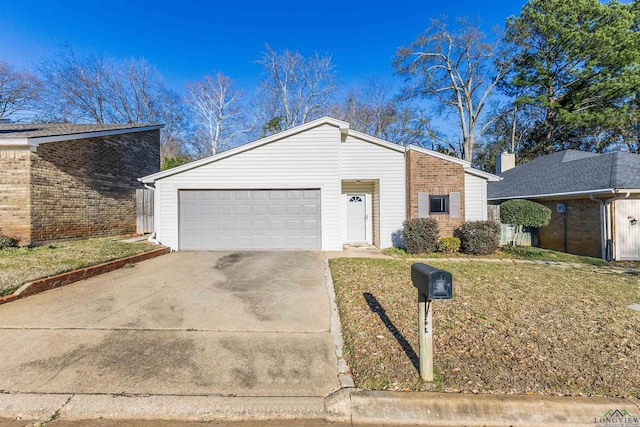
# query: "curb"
x,y
344,372
69,277
347,406
456,409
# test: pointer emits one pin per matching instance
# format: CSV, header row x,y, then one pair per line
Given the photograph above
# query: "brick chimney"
x,y
505,161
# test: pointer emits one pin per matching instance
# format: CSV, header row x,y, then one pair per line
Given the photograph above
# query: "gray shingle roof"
x,y
566,172
38,130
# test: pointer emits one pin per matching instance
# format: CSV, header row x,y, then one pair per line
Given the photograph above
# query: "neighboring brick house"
x,y
594,200
61,181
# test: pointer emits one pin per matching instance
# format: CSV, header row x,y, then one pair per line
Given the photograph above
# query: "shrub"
x,y
524,213
479,237
449,245
421,235
8,242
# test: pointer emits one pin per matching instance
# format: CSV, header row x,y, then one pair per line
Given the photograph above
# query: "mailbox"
x,y
432,282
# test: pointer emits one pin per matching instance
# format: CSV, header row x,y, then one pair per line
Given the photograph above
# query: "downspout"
x,y
605,221
152,237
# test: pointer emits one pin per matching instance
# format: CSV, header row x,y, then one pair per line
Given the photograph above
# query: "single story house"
x,y
62,181
319,185
594,199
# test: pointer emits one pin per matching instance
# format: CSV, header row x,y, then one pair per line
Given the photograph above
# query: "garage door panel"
x,y
294,209
310,224
225,224
276,209
260,225
250,219
259,209
294,224
311,194
276,224
276,194
225,210
311,209
243,209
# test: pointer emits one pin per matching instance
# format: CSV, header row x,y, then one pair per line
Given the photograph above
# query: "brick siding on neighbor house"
x,y
15,204
437,177
583,227
86,187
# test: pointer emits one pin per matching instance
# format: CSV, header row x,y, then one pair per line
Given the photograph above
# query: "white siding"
x,y
368,161
475,198
308,159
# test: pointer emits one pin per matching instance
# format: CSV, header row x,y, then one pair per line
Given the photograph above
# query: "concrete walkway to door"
x,y
187,323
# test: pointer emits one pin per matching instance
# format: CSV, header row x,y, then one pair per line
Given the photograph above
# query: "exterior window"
x,y
438,204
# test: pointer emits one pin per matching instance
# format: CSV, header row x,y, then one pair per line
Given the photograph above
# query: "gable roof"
x,y
569,172
33,134
343,126
344,131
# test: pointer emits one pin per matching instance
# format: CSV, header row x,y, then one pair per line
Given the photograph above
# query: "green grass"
x,y
21,265
510,328
510,252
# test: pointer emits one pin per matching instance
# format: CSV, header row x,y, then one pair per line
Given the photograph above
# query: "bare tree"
x,y
77,88
295,88
457,69
19,91
96,90
373,109
216,104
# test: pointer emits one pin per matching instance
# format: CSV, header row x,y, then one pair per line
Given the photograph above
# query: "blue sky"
x,y
187,39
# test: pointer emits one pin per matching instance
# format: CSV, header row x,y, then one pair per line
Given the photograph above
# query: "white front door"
x,y
627,230
356,218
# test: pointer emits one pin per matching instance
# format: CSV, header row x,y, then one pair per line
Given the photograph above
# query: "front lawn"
x,y
510,328
21,265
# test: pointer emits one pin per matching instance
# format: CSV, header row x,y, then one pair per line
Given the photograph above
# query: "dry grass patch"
x,y
526,329
21,265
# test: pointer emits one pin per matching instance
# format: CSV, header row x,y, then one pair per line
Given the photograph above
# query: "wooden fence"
x,y
144,207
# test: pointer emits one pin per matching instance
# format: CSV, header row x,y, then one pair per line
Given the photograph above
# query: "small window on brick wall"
x,y
438,204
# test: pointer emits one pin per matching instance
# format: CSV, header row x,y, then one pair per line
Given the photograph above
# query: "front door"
x,y
627,230
356,218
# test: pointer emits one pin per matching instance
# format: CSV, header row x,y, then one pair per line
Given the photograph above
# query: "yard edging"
x,y
69,277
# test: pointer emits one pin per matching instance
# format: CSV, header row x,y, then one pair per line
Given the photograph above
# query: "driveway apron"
x,y
187,323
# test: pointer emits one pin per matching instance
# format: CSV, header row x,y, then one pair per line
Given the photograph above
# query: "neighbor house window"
x,y
438,204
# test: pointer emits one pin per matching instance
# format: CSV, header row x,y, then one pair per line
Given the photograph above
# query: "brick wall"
x,y
437,177
15,205
583,227
86,187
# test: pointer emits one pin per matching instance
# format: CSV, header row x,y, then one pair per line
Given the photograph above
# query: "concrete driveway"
x,y
187,323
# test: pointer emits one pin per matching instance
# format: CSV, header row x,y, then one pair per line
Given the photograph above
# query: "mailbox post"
x,y
431,283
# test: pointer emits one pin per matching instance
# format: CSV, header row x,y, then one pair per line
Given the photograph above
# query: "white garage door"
x,y
250,219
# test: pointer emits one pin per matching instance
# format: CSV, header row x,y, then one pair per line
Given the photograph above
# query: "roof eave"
x,y
486,175
439,155
602,191
37,140
375,140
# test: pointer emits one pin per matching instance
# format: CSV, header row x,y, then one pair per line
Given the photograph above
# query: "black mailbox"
x,y
432,282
